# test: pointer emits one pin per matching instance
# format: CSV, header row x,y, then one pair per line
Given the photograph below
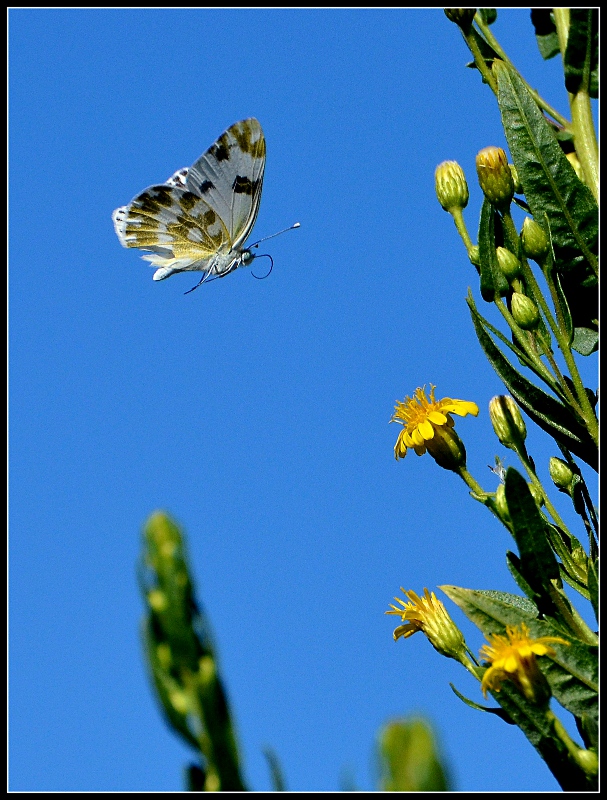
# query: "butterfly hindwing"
x,y
200,218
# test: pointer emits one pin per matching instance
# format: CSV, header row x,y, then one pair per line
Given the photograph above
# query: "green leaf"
x,y
409,758
582,53
499,712
585,341
538,565
489,610
545,32
549,181
490,236
513,563
593,585
549,414
538,730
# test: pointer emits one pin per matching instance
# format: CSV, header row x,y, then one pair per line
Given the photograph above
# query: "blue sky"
x,y
255,412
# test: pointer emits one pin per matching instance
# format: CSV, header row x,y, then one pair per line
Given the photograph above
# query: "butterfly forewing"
x,y
230,177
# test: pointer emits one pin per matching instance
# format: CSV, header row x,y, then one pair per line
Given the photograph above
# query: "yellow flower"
x,y
513,657
421,416
429,615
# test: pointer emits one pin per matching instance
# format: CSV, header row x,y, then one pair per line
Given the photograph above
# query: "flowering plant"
x,y
540,646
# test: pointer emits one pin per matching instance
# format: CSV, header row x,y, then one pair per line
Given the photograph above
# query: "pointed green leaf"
x,y
499,712
513,563
593,585
549,181
548,413
545,32
582,54
489,238
537,563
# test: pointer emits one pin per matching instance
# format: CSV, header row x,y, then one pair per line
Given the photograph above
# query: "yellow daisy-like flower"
x,y
513,657
429,615
421,416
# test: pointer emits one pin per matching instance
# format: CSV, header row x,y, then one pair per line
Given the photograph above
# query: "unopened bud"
x,y
534,240
518,186
507,421
495,177
575,163
451,186
561,474
447,449
508,263
501,504
524,311
461,16
536,494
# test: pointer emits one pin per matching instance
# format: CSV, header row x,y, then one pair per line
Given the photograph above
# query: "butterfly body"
x,y
199,219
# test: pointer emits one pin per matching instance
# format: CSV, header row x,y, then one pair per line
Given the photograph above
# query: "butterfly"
x,y
200,218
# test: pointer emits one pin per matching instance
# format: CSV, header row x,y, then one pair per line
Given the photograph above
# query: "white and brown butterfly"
x,y
199,220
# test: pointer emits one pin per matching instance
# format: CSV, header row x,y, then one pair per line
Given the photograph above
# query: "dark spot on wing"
x,y
220,149
244,185
206,186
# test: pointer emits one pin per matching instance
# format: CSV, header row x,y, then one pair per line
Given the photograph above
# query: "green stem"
x,y
582,123
586,759
458,218
492,41
479,60
583,406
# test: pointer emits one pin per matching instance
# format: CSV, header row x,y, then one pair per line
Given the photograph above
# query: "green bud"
x,y
507,421
536,494
518,186
447,449
495,177
451,186
534,240
508,263
524,311
461,16
575,163
561,474
474,255
501,504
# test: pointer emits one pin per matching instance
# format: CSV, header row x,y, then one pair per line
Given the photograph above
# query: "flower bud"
x,y
536,494
507,421
451,186
524,311
518,186
561,474
534,240
501,504
575,163
447,449
494,176
474,255
508,263
461,16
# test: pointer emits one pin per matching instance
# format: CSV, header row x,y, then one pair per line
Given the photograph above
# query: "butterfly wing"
x,y
180,229
229,176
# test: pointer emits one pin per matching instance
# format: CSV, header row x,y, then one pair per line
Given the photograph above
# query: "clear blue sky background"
x,y
255,412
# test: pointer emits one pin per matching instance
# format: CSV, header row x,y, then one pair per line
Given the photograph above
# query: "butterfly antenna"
x,y
265,238
265,255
